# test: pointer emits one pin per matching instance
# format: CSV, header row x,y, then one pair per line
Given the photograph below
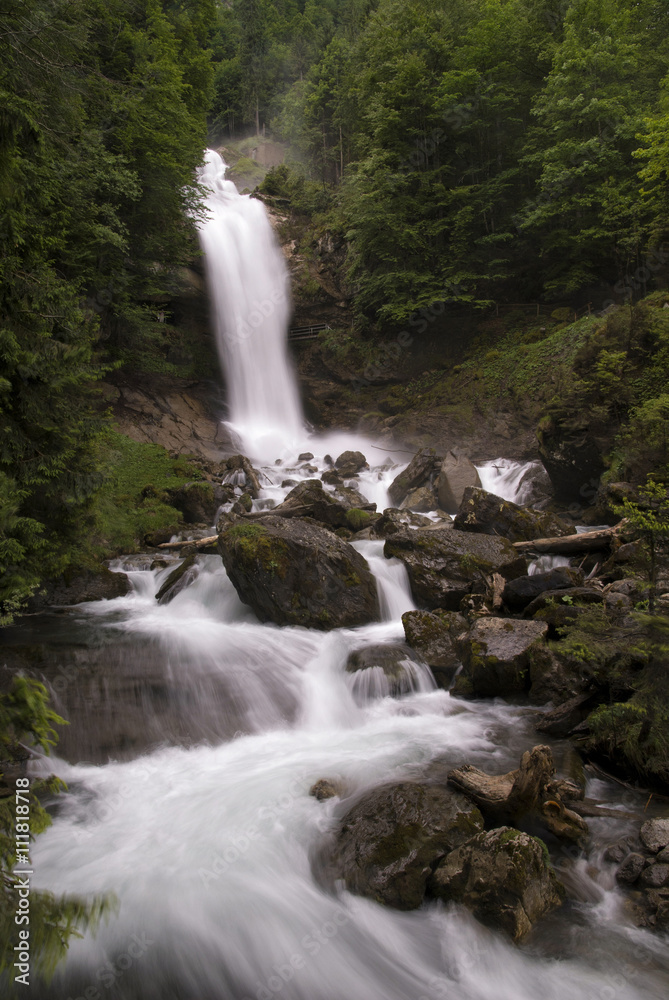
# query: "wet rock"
x,y
394,662
421,499
631,868
332,478
421,471
238,471
243,505
350,462
567,597
309,499
496,656
288,483
293,572
455,475
306,456
504,877
434,636
663,856
522,591
492,515
393,520
571,457
654,876
326,789
616,853
655,835
556,677
178,580
443,564
563,719
390,840
195,501
76,587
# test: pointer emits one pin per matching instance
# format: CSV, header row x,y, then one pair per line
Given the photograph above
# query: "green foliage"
x,y
25,715
135,500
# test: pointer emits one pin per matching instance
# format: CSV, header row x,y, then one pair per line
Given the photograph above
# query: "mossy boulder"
x,y
443,564
489,514
434,635
335,510
571,456
76,585
422,499
349,463
522,591
195,501
496,657
294,572
395,835
504,877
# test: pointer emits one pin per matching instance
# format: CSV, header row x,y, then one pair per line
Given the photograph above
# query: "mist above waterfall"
x,y
249,289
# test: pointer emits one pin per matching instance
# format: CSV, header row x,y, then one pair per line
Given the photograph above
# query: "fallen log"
x,y
529,793
199,543
573,544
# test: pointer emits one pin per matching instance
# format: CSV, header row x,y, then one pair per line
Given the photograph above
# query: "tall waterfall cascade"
x,y
250,295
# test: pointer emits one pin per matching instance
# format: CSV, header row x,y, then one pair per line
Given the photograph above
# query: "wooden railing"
x,y
307,332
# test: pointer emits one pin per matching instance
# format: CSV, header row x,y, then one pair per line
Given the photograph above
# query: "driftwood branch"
x,y
199,543
572,544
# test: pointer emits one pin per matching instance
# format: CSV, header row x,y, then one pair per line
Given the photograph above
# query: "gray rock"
x,y
393,520
631,868
434,636
421,471
309,499
492,515
422,499
293,572
443,563
616,853
306,456
567,597
289,482
455,475
663,856
654,876
326,789
350,462
178,579
504,877
519,593
496,656
76,586
655,834
389,841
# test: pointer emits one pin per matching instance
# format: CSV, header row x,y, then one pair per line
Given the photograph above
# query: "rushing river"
x,y
196,733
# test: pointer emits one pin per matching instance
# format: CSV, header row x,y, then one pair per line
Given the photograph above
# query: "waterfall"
x,y
249,290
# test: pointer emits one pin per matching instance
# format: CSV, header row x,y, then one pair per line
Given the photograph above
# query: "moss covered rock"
x,y
492,515
195,501
434,635
392,838
504,877
443,563
293,572
496,656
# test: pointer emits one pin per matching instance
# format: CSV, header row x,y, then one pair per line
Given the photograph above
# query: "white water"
x,y
249,287
212,848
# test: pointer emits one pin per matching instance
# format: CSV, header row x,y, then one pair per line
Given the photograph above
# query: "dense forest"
x,y
466,153
469,151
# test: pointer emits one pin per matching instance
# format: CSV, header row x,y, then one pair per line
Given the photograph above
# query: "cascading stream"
x,y
205,831
250,291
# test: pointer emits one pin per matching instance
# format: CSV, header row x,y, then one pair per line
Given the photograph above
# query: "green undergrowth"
x,y
134,501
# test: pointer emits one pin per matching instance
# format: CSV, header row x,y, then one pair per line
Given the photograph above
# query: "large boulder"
x,y
571,456
393,520
492,515
391,839
294,572
504,877
496,657
421,471
350,463
75,586
434,635
520,592
309,499
196,501
443,564
455,475
422,499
